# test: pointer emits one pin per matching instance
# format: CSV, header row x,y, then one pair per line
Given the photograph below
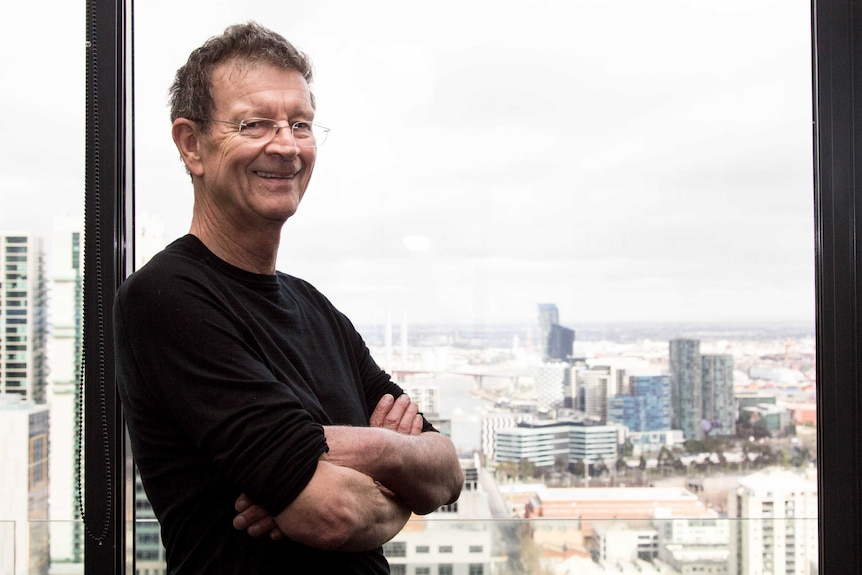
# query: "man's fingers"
x,y
403,420
253,519
400,415
381,410
417,425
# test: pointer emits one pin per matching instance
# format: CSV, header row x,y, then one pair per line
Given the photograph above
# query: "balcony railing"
x,y
498,547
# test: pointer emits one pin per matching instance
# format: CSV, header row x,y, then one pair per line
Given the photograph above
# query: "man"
x,y
244,389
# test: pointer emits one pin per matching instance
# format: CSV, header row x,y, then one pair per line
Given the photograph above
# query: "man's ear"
x,y
188,143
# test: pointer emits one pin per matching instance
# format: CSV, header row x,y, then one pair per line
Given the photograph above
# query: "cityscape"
x,y
615,448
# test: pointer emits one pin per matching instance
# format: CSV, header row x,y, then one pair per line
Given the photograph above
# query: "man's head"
x,y
243,116
191,93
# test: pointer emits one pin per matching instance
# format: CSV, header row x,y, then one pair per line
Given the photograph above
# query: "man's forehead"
x,y
235,78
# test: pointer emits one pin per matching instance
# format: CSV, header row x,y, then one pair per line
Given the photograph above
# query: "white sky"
x,y
629,160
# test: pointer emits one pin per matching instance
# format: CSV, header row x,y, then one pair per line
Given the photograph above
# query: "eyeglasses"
x,y
305,134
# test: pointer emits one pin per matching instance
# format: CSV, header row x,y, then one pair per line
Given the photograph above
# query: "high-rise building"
x,y
594,384
561,341
24,537
548,315
551,381
686,387
64,350
556,341
718,402
24,316
779,533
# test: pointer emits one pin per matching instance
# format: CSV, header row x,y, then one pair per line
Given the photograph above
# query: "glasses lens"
x,y
256,127
308,135
320,134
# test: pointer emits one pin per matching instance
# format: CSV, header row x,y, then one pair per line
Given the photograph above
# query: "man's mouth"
x,y
275,175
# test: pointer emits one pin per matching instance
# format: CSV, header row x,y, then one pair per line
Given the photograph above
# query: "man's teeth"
x,y
272,175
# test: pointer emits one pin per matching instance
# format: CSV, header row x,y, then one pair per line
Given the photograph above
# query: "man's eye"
x,y
302,126
257,127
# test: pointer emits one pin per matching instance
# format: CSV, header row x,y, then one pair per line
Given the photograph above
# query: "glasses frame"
x,y
276,128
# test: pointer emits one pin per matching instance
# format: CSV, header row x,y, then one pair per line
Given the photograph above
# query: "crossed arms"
x,y
364,490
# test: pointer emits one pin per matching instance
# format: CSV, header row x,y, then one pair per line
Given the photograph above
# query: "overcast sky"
x,y
627,160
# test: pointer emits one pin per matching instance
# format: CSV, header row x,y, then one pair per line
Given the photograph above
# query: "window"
x,y
395,549
476,548
71,76
444,549
422,549
38,460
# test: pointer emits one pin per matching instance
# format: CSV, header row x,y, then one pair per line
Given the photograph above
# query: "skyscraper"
x,y
551,381
64,349
24,537
686,387
24,314
779,533
718,402
595,383
556,340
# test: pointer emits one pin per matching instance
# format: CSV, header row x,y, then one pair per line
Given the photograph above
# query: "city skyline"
x,y
628,162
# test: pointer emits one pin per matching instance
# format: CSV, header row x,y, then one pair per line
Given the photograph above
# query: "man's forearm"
x,y
422,470
343,509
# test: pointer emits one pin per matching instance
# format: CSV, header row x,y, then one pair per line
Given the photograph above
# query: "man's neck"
x,y
252,252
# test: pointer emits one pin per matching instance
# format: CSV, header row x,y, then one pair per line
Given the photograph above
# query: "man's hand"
x,y
401,415
254,519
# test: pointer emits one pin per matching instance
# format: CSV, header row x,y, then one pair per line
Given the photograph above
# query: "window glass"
x,y
643,167
540,211
41,182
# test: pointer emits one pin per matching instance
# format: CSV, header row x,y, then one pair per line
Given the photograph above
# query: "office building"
x,y
551,379
779,531
449,541
693,544
620,543
546,444
24,535
556,342
594,384
719,415
592,443
543,445
645,408
64,349
686,387
493,423
24,316
561,341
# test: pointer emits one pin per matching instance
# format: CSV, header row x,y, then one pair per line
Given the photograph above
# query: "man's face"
x,y
251,183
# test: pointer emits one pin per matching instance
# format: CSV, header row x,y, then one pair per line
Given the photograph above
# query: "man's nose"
x,y
284,138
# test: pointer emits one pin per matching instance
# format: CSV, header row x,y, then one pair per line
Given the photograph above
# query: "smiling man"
x,y
267,438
